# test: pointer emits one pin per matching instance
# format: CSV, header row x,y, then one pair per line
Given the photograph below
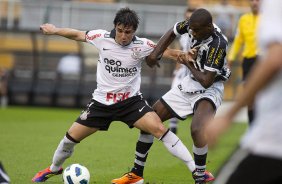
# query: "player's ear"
x,y
210,27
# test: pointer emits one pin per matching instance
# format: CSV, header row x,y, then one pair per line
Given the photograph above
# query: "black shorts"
x,y
100,116
247,65
246,168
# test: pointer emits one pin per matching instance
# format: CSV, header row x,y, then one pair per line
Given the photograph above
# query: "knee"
x,y
70,138
68,144
159,131
195,131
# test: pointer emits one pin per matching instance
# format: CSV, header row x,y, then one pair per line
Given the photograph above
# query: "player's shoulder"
x,y
145,42
219,39
97,33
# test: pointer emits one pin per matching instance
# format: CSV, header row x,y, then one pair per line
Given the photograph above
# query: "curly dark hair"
x,y
127,17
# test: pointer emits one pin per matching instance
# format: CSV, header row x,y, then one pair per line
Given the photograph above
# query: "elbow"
x,y
152,56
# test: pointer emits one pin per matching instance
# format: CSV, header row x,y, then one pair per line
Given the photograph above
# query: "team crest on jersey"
x,y
136,53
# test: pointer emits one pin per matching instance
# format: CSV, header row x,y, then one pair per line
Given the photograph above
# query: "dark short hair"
x,y
202,17
127,17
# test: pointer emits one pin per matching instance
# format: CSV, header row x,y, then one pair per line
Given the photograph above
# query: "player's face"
x,y
200,32
254,4
124,34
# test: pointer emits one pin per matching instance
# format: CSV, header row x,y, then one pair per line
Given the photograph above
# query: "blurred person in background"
x,y
117,96
223,17
180,70
199,94
246,37
69,65
259,158
3,88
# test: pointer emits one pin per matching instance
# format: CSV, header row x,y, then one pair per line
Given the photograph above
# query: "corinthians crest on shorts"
x,y
84,115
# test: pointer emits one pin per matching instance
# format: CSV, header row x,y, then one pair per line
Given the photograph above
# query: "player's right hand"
x,y
151,62
48,29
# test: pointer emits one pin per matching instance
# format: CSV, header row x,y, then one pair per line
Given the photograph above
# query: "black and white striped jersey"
x,y
119,67
211,55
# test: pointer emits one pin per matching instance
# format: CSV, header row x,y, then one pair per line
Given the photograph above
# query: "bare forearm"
x,y
50,29
163,43
71,33
204,78
172,54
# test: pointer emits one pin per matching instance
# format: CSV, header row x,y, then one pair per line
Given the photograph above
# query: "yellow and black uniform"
x,y
246,35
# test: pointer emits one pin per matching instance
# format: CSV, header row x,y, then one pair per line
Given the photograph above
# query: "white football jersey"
x,y
265,136
119,67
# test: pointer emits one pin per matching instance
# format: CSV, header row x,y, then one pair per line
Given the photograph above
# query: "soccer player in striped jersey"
x,y
200,92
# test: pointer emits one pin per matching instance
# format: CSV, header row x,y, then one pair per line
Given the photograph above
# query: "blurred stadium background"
x,y
30,59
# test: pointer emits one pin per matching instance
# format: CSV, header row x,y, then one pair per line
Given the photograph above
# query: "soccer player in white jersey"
x,y
117,96
259,158
199,94
180,70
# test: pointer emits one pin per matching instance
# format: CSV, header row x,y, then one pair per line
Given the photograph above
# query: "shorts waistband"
x,y
192,92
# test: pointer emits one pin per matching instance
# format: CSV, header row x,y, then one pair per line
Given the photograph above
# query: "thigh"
x,y
96,115
131,110
204,106
162,110
79,131
204,110
152,124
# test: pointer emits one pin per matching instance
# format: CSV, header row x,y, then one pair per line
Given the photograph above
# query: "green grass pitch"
x,y
29,137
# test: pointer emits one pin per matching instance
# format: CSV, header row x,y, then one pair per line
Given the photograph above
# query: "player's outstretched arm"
x,y
162,44
173,54
73,34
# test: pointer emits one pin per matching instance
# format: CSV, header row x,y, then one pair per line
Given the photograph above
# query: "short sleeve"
x,y
94,37
181,28
216,56
147,47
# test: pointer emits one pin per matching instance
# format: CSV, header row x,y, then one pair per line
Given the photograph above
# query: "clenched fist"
x,y
48,29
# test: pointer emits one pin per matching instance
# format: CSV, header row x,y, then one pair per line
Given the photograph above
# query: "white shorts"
x,y
179,75
182,104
